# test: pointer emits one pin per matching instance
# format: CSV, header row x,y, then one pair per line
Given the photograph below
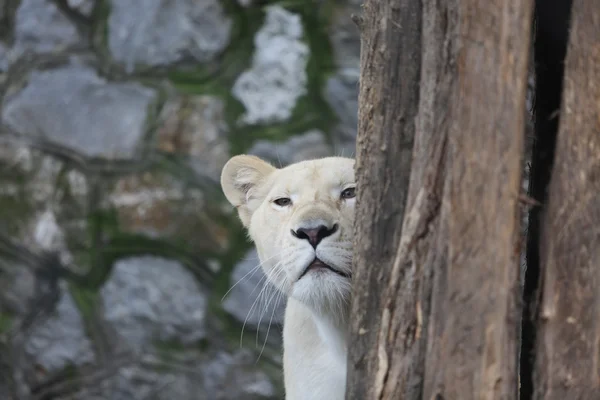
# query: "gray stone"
x,y
309,145
43,201
149,298
270,89
194,127
138,383
60,340
42,28
4,59
252,299
160,205
17,287
163,32
344,34
222,376
84,7
91,116
250,383
341,90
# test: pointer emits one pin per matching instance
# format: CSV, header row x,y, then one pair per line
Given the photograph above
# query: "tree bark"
x,y
550,47
388,101
568,325
434,311
473,342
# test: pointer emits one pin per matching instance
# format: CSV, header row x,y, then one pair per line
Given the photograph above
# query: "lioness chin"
x,y
300,218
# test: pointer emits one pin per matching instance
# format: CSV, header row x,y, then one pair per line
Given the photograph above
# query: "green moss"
x,y
85,299
6,321
7,17
14,211
240,244
99,31
312,109
229,326
174,346
113,244
217,79
15,207
180,169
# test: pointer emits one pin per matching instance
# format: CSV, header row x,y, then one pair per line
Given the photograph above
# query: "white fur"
x,y
316,318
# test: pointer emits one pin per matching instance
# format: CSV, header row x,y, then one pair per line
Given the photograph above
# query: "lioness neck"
x,y
333,330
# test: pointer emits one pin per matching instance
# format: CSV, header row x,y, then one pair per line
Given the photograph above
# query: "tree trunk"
x,y
568,325
434,310
550,46
388,102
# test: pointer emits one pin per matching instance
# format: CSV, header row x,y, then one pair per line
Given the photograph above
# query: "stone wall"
x,y
116,246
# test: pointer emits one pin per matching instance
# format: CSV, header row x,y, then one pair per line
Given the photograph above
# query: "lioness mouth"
x,y
318,264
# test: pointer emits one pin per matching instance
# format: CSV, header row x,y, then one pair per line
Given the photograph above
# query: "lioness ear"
x,y
239,178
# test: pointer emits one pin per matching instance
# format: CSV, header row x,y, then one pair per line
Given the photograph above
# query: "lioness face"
x,y
301,218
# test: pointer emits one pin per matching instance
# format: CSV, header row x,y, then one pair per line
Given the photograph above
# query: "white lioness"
x,y
300,218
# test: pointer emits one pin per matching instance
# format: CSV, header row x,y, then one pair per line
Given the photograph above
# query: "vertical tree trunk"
x,y
473,343
568,339
435,311
388,102
550,46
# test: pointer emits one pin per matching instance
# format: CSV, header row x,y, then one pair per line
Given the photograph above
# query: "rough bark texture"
x,y
550,46
435,303
568,339
474,321
388,102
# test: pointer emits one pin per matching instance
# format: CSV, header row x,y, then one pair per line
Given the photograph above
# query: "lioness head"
x,y
300,218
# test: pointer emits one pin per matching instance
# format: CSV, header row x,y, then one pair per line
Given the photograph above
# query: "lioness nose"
x,y
314,235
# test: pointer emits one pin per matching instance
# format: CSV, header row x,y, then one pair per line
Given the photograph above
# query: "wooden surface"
x,y
568,322
435,313
388,102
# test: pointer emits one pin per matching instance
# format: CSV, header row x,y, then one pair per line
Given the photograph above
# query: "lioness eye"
x,y
283,201
349,193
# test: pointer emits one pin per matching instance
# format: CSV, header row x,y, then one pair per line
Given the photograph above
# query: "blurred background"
x,y
117,247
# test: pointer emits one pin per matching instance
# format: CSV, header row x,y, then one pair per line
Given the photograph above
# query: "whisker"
x,y
265,286
266,307
252,271
269,327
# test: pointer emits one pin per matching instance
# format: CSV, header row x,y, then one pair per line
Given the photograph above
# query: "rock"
x,y
17,287
140,383
148,298
149,203
4,60
222,376
252,299
42,201
60,340
194,127
84,7
345,36
163,32
42,28
47,234
270,89
158,205
91,116
341,89
250,383
309,145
